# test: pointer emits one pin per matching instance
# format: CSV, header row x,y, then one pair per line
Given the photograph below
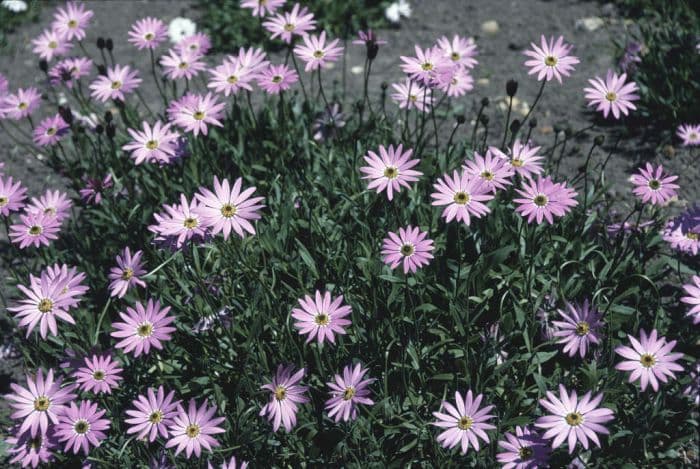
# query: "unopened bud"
x,y
511,87
599,139
109,45
461,119
533,122
484,102
100,43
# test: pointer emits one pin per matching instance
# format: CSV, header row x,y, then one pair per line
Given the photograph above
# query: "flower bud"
x,y
484,119
100,43
514,126
599,139
485,102
43,65
533,122
108,116
66,114
101,69
109,45
372,50
568,132
99,129
511,87
385,85
461,119
111,130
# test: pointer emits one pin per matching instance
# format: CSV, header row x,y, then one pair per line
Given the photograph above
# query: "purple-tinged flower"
x,y
148,33
286,394
118,82
690,134
464,196
252,59
262,8
31,451
194,111
492,334
426,65
143,327
70,21
693,299
82,426
650,359
21,104
100,374
523,158
579,329
321,317
92,192
410,94
524,450
683,232
461,51
653,185
494,171
276,78
55,203
70,280
37,229
50,131
68,71
630,58
455,82
390,170
368,38
410,247
50,44
298,22
153,144
347,392
551,60
316,53
464,424
613,94
227,208
182,64
127,273
627,227
12,195
574,420
197,44
207,323
543,199
328,123
231,76
193,429
693,388
42,400
180,222
152,414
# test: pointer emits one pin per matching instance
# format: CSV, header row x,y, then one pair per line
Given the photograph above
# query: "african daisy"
x,y
693,299
151,414
153,144
118,82
227,208
70,21
37,229
464,424
464,196
321,317
316,53
148,33
193,429
143,327
426,65
551,60
650,359
184,64
127,273
286,394
297,22
683,232
50,131
653,185
542,199
262,7
55,203
82,426
460,50
193,112
12,195
579,329
100,374
492,170
21,104
50,44
525,449
390,170
277,78
613,94
410,247
690,134
180,222
348,391
29,451
410,94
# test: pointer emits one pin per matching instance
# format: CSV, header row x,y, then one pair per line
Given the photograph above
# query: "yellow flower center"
x,y
42,403
322,319
692,236
35,443
525,452
693,136
98,375
152,144
647,360
426,66
81,426
610,96
574,419
116,84
72,24
408,249
52,45
22,106
4,201
149,36
228,210
516,162
540,200
182,65
280,393
199,115
318,54
413,98
51,131
277,79
465,423
349,393
550,61
461,198
35,230
144,329
654,184
192,430
45,305
289,27
488,175
582,328
156,417
233,79
391,172
190,223
127,273
454,56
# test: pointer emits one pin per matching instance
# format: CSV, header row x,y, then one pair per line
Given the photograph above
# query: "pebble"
x,y
482,81
589,24
546,130
490,27
357,70
668,151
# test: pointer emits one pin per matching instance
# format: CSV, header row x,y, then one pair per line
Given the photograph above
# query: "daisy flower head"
x,y
37,229
153,144
613,94
197,44
523,158
492,170
426,65
82,426
464,424
328,123
650,359
55,203
410,94
316,53
182,64
127,273
410,247
297,22
50,44
683,232
253,59
228,208
654,186
573,420
230,77
461,51
542,199
525,449
69,71
12,195
21,104
179,28
690,134
50,131
193,112
464,196
118,82
151,414
94,187
262,7
277,78
321,317
693,299
231,464
180,222
70,21
370,41
455,81
31,451
100,374
148,33
41,402
551,59
390,169
286,394
348,391
70,280
142,327
579,328
193,429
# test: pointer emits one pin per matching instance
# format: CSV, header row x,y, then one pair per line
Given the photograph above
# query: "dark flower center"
x,y
516,162
116,84
692,236
408,249
318,54
35,443
127,273
574,419
72,24
51,131
277,79
550,61
192,430
582,328
465,423
289,27
81,426
149,36
152,144
391,172
3,201
280,393
454,56
199,115
190,223
540,200
488,175
182,65
228,210
52,45
525,452
98,375
610,96
654,184
156,417
35,230
41,403
22,106
322,319
233,79
647,360
461,198
349,393
426,66
145,329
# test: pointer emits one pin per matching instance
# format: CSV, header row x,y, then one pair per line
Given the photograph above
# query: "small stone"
x,y
482,81
589,24
668,151
546,130
357,70
490,27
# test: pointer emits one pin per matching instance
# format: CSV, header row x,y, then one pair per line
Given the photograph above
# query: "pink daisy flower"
x,y
298,22
50,44
148,33
231,76
69,71
285,396
54,203
277,78
197,44
456,82
493,171
193,112
70,22
82,426
524,450
92,192
153,144
653,185
683,232
690,134
410,94
12,195
461,51
37,229
426,65
42,400
464,424
542,199
142,328
20,105
193,429
523,158
693,299
118,82
127,273
152,414
574,420
551,60
70,280
182,64
180,221
262,7
390,170
650,359
315,52
227,208
321,317
348,391
253,59
410,247
100,374
579,329
613,94
464,196
50,131
31,451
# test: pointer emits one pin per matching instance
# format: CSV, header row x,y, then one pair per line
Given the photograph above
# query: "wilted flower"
x,y
347,391
630,57
285,396
68,71
551,60
653,185
613,94
650,359
464,424
328,123
693,389
683,232
92,192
